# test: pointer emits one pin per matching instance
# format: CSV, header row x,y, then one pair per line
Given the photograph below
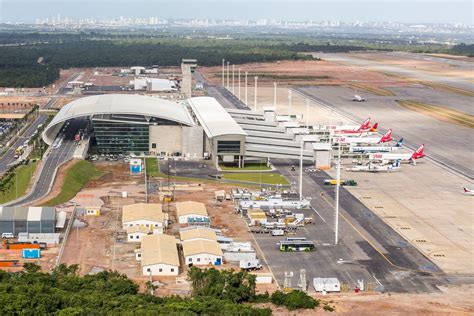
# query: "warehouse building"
x,y
27,220
191,212
159,255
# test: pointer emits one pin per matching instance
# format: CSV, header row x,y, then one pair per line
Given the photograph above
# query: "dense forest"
x,y
34,59
64,292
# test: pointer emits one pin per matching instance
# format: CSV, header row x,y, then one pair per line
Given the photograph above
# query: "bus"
x,y
297,246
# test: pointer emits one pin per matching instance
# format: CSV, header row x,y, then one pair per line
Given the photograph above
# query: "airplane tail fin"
x,y
419,152
365,125
374,128
387,137
399,143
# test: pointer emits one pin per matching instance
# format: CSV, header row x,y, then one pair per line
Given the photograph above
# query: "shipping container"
x,y
22,245
9,263
31,253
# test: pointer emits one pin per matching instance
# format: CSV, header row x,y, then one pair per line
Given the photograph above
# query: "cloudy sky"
x,y
415,11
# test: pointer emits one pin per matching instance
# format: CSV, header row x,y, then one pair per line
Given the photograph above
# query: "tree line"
x,y
65,292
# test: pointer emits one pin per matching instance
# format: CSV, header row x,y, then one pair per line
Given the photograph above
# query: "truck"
x,y
278,232
22,245
249,265
341,182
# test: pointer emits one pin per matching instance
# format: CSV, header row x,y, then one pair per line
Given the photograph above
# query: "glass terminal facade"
x,y
121,134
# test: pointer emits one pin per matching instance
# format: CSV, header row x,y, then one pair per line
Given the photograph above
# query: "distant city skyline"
x,y
415,11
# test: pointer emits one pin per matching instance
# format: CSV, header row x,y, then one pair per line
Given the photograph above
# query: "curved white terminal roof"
x,y
130,104
214,119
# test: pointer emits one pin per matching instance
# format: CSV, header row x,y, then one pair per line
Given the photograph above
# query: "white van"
x,y
278,232
7,235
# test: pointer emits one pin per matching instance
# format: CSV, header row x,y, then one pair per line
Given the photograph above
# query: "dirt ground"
x,y
330,74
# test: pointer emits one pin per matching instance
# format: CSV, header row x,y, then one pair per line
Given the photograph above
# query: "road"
x,y
55,158
7,158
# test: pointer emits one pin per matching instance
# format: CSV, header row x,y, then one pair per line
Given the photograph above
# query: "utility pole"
x,y
238,91
146,182
338,180
233,79
275,95
255,95
246,99
223,71
228,66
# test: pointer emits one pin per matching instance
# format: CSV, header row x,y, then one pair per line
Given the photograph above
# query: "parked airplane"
x,y
411,157
468,191
364,140
376,149
371,167
364,126
370,131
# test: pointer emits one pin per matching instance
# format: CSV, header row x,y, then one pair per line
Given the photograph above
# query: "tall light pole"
x,y
228,63
246,95
307,112
275,95
255,95
238,91
289,101
233,79
338,180
301,169
223,72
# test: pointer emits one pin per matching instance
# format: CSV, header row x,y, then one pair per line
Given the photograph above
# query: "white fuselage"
x,y
372,149
374,168
391,156
357,140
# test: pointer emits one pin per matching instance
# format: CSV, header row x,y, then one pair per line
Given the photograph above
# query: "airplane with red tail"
x,y
404,157
364,140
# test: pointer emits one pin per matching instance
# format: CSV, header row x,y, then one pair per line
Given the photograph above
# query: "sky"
x,y
411,11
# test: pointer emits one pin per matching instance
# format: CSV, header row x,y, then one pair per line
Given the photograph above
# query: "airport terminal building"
x,y
195,128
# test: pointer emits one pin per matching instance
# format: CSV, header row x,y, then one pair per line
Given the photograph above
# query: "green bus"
x,y
296,246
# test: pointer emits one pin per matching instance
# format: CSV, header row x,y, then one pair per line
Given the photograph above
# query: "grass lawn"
x,y
17,185
76,177
248,166
264,177
152,167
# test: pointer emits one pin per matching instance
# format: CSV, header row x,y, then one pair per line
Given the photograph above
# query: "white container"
x,y
326,285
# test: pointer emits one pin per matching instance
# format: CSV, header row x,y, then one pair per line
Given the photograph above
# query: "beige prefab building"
x,y
136,233
202,252
159,255
191,210
198,233
149,216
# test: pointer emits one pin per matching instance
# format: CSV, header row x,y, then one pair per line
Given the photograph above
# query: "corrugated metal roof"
x,y
143,211
159,249
120,104
190,207
214,119
197,233
34,214
196,247
21,213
